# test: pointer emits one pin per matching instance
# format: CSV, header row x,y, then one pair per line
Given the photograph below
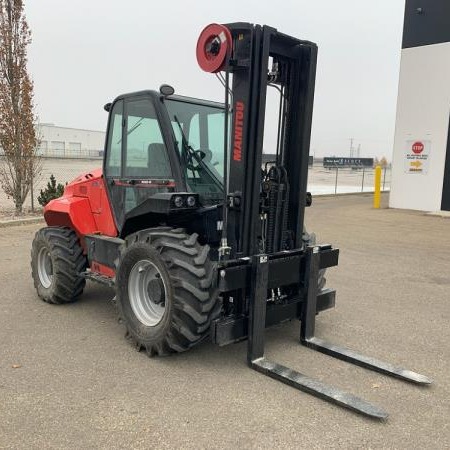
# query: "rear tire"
x,y
57,261
166,290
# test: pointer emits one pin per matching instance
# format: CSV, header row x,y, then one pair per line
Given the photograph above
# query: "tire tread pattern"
x,y
195,297
68,264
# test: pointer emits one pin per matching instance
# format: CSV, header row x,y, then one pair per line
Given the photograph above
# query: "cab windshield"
x,y
199,134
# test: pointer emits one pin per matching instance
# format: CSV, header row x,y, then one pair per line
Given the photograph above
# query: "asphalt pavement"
x,y
69,378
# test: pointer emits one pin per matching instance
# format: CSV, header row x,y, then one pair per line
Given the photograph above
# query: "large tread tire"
x,y
192,297
68,262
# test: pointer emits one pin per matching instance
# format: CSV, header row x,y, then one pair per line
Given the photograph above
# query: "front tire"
x,y
165,290
57,261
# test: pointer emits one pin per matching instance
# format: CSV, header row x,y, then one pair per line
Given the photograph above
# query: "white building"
x,y
70,142
421,161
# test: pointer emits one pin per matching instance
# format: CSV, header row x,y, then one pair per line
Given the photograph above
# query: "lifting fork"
x,y
255,349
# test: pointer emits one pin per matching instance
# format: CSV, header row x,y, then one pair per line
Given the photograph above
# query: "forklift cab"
x,y
162,144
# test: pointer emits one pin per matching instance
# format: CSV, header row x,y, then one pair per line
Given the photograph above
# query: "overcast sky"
x,y
84,53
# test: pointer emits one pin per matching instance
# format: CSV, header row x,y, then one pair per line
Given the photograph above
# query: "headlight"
x,y
178,201
190,201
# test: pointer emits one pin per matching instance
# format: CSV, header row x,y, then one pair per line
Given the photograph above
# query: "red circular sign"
x,y
417,147
214,47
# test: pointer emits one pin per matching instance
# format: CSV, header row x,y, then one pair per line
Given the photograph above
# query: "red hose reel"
x,y
214,47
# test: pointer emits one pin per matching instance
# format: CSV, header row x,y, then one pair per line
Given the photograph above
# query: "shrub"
x,y
51,192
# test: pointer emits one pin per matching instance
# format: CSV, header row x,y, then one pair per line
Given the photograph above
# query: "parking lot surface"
x,y
69,378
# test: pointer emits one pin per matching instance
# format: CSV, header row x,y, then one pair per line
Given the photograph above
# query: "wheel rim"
x,y
147,293
45,267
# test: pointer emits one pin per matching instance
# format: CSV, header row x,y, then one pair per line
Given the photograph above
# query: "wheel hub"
x,y
147,293
155,290
45,267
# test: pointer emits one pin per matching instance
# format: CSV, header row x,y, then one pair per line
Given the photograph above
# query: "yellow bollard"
x,y
377,193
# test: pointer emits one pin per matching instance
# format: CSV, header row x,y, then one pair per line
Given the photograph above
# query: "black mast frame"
x,y
250,274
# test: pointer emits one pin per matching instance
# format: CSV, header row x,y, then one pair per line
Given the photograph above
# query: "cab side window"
x,y
114,148
146,154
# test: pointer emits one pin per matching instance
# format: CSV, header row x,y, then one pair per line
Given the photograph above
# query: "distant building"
x,y
64,142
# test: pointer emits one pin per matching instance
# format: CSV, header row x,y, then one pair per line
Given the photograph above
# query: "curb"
x,y
17,222
442,214
346,194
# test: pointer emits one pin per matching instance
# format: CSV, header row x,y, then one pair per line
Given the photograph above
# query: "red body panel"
x,y
84,207
103,270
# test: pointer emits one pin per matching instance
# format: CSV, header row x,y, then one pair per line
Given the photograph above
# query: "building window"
x,y
75,148
58,147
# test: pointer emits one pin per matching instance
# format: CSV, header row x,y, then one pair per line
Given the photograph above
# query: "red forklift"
x,y
200,240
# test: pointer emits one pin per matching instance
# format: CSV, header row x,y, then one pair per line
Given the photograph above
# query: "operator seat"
x,y
158,161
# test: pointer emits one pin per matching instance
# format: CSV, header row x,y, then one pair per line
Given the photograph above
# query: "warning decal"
x,y
417,156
